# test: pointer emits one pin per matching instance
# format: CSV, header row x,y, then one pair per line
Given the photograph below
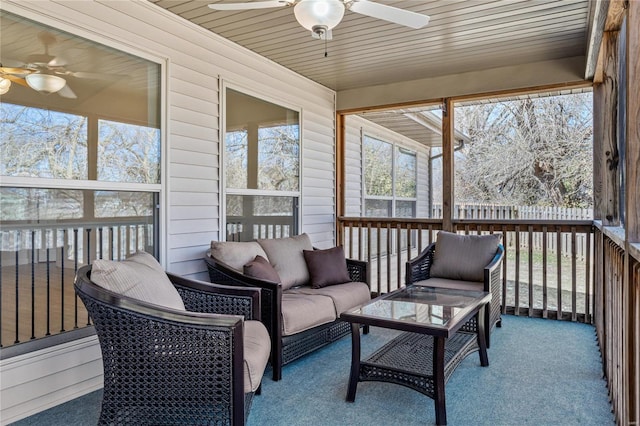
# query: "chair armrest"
x,y
359,271
271,292
200,296
492,271
419,268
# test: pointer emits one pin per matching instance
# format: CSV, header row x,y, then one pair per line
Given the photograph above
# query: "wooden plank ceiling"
x,y
463,35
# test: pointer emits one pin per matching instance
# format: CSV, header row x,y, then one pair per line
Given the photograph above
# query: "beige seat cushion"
x,y
285,254
140,277
301,312
344,296
463,257
257,347
236,254
453,284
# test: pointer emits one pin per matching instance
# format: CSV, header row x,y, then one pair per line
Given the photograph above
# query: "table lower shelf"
x,y
407,360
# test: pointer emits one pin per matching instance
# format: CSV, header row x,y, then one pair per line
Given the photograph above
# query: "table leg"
x,y
355,362
438,378
482,343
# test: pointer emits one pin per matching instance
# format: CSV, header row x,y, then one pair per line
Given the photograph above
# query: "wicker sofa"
x,y
467,262
299,317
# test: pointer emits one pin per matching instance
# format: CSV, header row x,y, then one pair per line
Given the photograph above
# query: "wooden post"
x,y
340,174
448,133
605,135
632,207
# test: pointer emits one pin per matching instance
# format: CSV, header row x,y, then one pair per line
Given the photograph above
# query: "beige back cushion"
x,y
236,254
285,254
140,277
463,257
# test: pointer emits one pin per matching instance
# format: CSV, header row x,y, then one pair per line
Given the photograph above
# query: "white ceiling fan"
x,y
321,16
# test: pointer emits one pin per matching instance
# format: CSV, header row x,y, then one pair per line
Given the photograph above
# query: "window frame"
x,y
396,147
92,134
224,191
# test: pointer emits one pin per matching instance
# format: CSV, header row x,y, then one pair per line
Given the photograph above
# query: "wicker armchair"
x,y
285,349
418,271
165,366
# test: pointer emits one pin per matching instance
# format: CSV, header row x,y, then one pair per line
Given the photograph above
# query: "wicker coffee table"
x,y
438,336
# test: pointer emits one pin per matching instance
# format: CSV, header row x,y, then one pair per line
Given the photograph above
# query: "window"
x,y
80,165
390,179
262,168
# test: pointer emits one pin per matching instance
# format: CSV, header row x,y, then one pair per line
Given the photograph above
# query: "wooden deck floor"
x,y
49,289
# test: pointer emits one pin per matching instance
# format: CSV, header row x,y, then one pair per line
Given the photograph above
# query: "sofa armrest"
x,y
419,268
200,296
359,271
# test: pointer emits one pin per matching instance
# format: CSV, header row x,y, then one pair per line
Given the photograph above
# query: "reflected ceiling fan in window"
x,y
42,72
321,16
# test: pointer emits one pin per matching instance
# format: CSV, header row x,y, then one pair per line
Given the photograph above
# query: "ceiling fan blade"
x,y
389,13
66,92
14,79
16,71
250,5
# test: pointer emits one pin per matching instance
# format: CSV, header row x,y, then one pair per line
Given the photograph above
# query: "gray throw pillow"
x,y
261,268
327,267
285,254
236,254
463,257
140,277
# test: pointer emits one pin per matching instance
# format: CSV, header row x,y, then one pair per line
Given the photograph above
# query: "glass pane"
x,y
406,173
378,167
262,144
40,135
377,208
40,143
235,162
123,204
33,205
278,154
405,208
250,217
128,153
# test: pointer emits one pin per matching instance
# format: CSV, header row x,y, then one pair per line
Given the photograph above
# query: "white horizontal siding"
x,y
197,64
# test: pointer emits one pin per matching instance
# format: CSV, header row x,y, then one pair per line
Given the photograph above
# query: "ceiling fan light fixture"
x,y
324,14
45,83
5,85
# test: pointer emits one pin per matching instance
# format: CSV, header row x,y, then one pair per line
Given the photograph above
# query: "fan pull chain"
x,y
325,45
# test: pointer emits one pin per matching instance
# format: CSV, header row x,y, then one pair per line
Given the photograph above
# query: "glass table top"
x,y
421,305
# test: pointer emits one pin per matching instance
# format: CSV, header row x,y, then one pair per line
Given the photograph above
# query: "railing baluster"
x,y
517,270
75,269
62,255
504,270
574,278
587,273
559,270
530,243
33,284
544,273
399,254
379,257
48,291
17,339
388,257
